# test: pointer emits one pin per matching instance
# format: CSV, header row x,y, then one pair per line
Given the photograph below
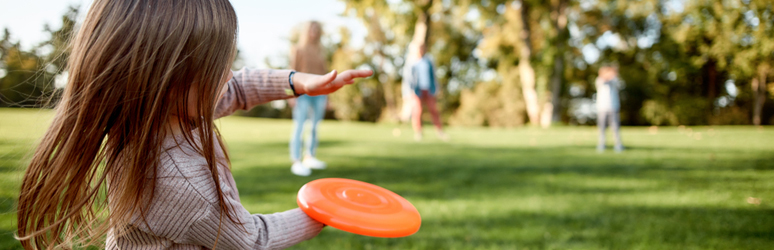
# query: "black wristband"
x,y
292,87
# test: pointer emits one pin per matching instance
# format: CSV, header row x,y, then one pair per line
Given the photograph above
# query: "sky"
x,y
264,25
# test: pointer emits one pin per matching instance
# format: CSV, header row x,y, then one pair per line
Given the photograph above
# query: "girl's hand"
x,y
311,84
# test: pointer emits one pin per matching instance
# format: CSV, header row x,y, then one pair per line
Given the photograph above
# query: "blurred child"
x,y
423,84
307,57
608,106
132,152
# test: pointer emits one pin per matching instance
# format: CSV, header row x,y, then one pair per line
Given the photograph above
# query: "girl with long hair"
x,y
132,153
308,57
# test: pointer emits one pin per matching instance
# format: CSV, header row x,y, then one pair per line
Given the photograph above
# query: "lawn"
x,y
489,188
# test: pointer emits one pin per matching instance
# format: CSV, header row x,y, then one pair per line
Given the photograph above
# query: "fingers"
x,y
351,74
327,78
328,83
348,77
365,73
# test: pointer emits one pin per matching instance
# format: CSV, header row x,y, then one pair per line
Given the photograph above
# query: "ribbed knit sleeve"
x,y
257,231
250,87
185,211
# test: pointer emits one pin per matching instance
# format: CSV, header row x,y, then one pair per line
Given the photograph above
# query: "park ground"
x,y
491,188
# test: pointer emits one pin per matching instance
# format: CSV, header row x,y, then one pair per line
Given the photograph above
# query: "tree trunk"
x,y
556,87
526,72
759,93
712,82
389,93
559,16
390,98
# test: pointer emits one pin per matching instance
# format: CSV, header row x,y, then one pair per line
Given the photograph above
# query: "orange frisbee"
x,y
358,207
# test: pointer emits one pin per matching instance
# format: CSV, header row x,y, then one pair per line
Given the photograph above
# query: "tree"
x,y
449,36
730,39
382,23
559,41
358,102
758,50
22,83
519,40
517,57
29,76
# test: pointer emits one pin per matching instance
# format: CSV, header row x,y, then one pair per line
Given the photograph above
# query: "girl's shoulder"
x,y
179,158
181,167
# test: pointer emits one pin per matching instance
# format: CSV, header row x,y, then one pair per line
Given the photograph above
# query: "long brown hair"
x,y
132,67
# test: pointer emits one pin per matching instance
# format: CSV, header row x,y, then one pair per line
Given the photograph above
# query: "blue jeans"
x,y
310,108
605,118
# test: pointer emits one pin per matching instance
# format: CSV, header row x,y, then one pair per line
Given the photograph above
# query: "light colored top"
x,y
607,94
309,59
423,68
184,212
422,77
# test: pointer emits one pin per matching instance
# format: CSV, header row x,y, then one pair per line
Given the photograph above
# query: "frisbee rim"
x,y
399,218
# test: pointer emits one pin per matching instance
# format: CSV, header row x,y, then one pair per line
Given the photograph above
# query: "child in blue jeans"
x,y
307,57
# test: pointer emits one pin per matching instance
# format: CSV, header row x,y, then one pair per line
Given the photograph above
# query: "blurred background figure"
x,y
423,84
412,57
608,106
308,57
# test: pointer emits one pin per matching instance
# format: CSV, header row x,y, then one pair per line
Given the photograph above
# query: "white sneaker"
x,y
417,136
443,136
314,163
300,170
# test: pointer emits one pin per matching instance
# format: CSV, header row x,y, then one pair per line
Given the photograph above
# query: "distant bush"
x,y
491,104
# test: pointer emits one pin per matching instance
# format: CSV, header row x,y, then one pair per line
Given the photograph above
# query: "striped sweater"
x,y
185,213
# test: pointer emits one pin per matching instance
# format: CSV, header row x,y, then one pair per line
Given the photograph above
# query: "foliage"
x,y
391,25
492,103
679,55
513,62
658,114
676,57
363,101
27,77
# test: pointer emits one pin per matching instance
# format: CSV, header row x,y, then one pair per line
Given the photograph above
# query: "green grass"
x,y
677,188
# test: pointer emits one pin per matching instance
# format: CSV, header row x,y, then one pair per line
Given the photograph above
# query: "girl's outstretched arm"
x,y
251,87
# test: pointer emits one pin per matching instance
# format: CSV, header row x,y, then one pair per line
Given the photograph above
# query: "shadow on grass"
x,y
446,174
7,240
468,171
284,145
611,228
